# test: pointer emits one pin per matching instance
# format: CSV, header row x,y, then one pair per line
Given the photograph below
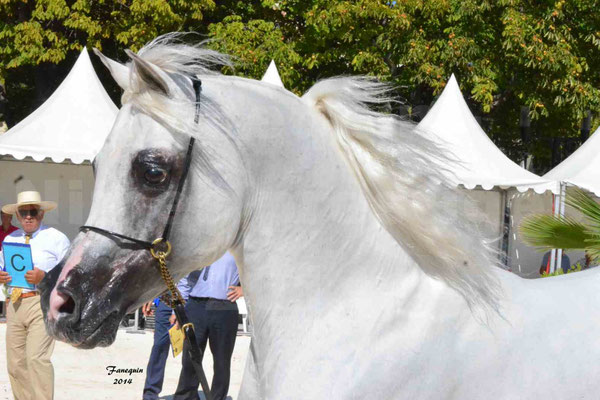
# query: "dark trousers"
x,y
155,372
215,321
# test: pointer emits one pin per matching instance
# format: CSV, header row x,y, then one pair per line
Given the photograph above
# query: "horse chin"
x,y
90,332
103,336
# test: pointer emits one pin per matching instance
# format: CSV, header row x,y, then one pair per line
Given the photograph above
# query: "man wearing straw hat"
x,y
28,347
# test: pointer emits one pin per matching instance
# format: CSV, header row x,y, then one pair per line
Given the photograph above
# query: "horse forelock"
x,y
400,173
172,54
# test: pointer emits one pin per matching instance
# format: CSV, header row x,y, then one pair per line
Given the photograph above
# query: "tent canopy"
x,y
272,75
582,168
72,124
451,124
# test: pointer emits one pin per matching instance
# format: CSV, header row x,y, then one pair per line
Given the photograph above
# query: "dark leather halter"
x,y
193,349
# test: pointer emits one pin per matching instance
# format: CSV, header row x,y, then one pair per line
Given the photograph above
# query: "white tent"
x,y
582,168
272,75
69,129
480,163
72,124
451,124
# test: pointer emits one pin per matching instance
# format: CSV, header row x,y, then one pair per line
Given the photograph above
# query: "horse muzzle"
x,y
73,318
84,301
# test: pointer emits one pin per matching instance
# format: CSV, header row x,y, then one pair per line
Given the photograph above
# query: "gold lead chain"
x,y
161,257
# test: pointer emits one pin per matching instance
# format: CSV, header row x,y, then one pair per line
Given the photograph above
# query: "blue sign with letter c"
x,y
17,261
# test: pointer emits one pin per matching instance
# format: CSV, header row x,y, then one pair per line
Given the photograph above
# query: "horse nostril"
x,y
63,305
68,307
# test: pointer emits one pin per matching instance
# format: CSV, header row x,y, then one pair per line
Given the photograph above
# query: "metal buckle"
x,y
155,245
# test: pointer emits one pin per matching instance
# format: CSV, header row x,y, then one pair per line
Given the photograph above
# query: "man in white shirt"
x,y
28,347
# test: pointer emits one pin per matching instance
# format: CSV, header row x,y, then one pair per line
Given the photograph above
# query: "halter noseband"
x,y
143,244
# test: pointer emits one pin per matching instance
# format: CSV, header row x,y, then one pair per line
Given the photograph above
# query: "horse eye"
x,y
155,176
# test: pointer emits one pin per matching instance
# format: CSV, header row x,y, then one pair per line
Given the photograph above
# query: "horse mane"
x,y
400,173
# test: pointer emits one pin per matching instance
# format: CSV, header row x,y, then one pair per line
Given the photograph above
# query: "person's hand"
x,y
235,292
5,277
34,276
147,310
173,320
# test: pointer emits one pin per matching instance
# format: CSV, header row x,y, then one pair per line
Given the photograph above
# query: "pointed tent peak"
x,y
272,75
452,89
450,102
452,81
83,61
85,51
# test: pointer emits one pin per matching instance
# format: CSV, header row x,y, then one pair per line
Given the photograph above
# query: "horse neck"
x,y
306,203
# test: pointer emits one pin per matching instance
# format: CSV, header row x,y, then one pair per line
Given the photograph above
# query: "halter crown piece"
x,y
160,248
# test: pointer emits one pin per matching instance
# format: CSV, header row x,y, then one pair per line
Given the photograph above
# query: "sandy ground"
x,y
82,374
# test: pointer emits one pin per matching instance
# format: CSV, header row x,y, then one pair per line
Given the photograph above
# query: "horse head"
x,y
137,174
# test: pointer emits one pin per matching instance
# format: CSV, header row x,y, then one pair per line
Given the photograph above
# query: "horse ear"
x,y
119,72
150,74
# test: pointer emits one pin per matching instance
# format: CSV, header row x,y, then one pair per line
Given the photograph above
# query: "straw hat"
x,y
28,198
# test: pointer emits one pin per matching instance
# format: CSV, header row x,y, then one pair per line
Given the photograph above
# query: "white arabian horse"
x,y
360,282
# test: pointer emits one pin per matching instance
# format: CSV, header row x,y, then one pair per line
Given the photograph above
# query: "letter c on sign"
x,y
12,261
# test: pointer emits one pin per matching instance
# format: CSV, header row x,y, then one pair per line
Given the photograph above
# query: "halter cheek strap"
x,y
144,244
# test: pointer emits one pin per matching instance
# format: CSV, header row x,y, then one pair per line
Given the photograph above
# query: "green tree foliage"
x,y
559,271
34,32
254,45
505,53
37,35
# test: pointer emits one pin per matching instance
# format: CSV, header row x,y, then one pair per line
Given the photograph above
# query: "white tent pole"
x,y
505,218
561,212
136,323
556,201
502,214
